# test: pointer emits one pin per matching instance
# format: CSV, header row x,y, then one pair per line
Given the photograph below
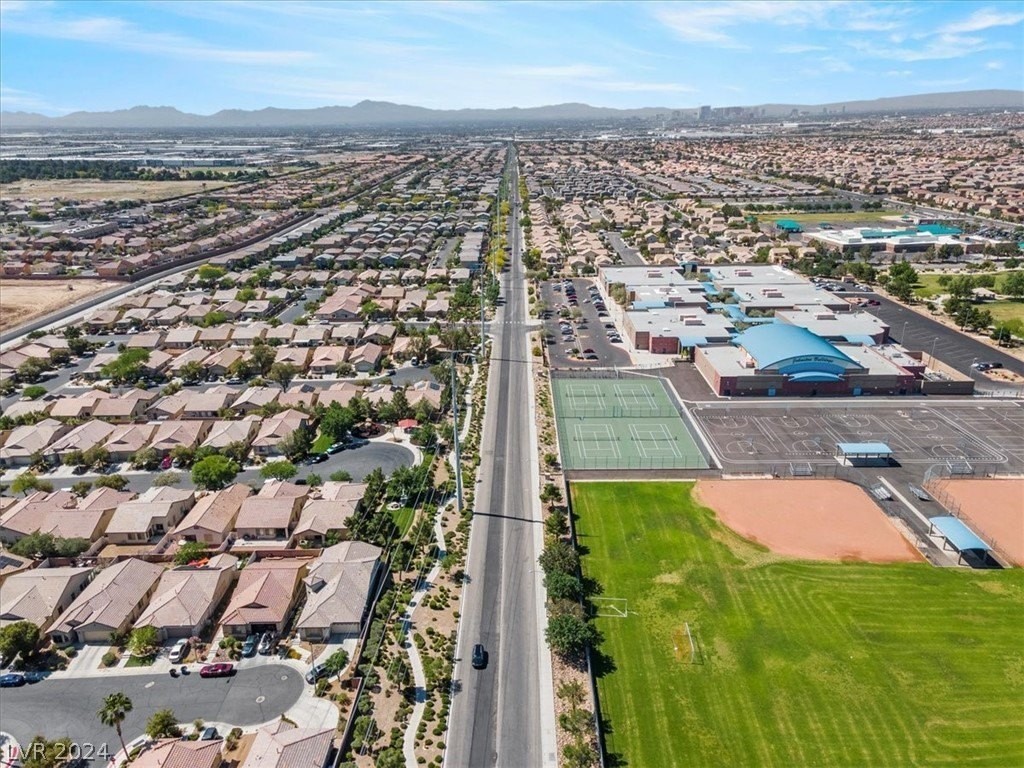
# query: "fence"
x,y
615,412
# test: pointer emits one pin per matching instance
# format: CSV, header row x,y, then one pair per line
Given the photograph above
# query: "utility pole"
x,y
455,434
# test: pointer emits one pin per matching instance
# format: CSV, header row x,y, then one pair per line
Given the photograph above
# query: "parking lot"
x,y
588,332
761,433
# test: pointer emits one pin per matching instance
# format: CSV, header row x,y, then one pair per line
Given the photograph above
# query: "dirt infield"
x,y
24,300
93,189
994,508
812,519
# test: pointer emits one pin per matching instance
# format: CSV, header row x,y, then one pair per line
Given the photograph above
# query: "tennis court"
x,y
622,424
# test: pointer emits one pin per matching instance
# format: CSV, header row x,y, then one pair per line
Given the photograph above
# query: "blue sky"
x,y
57,57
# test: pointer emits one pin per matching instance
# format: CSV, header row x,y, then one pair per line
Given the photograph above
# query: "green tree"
x,y
143,641
296,445
41,545
557,523
337,421
282,373
262,358
192,372
117,482
568,634
97,457
145,458
33,392
563,586
1013,285
208,273
278,470
341,476
168,478
183,455
189,552
43,753
112,714
21,637
214,472
336,662
163,724
127,366
29,481
559,556
81,488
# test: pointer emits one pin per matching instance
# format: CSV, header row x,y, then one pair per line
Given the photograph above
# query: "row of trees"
x,y
114,170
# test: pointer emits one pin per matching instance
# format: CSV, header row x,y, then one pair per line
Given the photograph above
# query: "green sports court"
x,y
621,424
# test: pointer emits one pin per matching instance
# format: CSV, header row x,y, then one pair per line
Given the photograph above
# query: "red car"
x,y
222,669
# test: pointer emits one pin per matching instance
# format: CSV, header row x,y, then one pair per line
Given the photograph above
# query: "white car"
x,y
179,651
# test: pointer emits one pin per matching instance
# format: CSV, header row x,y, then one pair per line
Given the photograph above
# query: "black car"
x,y
249,646
318,458
479,656
14,680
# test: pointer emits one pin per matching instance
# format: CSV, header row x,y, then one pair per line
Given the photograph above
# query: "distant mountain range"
x,y
369,114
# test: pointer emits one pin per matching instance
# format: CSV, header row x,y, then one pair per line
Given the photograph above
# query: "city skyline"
x,y
202,57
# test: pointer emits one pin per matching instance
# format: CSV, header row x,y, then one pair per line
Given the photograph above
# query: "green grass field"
x,y
928,284
800,663
842,219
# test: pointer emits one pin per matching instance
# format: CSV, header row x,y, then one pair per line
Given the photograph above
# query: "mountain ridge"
x,y
369,113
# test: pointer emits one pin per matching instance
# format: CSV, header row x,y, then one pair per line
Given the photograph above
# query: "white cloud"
x,y
993,65
899,73
985,18
800,48
948,83
574,71
630,85
17,100
940,47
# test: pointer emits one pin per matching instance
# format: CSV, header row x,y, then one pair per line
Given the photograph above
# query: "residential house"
x,y
183,337
81,438
111,603
424,391
299,396
294,356
326,360
275,429
213,517
149,517
264,597
178,753
224,433
219,363
187,596
254,398
124,409
41,594
170,434
206,405
26,441
78,407
338,590
281,744
126,440
273,513
366,358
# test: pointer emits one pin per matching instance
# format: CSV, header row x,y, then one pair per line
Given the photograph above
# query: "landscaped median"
x,y
793,662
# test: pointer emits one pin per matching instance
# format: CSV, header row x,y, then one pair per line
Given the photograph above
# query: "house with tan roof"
x,y
128,439
61,515
338,589
41,594
176,753
25,441
224,433
366,358
150,516
183,337
171,434
341,393
327,359
81,438
213,516
111,603
187,596
281,744
264,597
78,407
272,514
255,398
275,429
129,407
206,405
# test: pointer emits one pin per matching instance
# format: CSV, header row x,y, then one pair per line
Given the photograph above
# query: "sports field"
x,y
621,424
798,663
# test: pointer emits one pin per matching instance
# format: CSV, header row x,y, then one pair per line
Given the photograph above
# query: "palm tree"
x,y
115,709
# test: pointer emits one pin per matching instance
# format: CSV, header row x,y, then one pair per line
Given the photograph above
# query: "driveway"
x,y
57,708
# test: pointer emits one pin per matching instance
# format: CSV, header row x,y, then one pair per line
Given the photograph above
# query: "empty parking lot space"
x,y
989,434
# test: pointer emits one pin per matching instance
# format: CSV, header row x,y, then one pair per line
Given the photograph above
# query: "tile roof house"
x,y
338,589
59,514
111,603
283,745
170,434
366,358
275,429
127,439
149,517
124,409
187,596
264,597
41,594
213,516
272,514
27,440
224,433
175,753
81,438
255,397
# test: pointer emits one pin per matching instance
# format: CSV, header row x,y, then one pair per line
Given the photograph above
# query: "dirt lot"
x,y
24,300
994,508
91,189
812,519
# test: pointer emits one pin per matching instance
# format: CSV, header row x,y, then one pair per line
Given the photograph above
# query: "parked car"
x,y
316,672
266,644
12,680
249,646
479,656
221,669
335,448
318,458
986,366
209,734
166,462
179,651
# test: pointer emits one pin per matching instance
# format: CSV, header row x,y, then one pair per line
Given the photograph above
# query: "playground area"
x,y
993,507
810,519
621,424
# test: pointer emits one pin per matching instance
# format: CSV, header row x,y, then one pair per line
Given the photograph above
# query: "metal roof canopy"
x,y
864,450
959,535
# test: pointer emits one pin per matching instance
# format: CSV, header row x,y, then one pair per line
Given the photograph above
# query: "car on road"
x,y
266,644
318,458
316,672
209,734
591,357
588,351
221,669
335,448
479,656
249,646
178,652
12,680
986,366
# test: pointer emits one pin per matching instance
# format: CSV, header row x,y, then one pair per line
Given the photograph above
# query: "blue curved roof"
x,y
772,344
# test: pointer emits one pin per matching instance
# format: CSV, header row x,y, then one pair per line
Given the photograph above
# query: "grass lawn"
x,y
1005,309
831,217
800,663
403,519
928,285
322,443
140,661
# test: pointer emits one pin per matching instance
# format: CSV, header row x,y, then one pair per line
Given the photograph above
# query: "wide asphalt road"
x,y
67,707
496,712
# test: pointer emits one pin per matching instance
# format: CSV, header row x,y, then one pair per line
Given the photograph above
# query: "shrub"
x,y
109,659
